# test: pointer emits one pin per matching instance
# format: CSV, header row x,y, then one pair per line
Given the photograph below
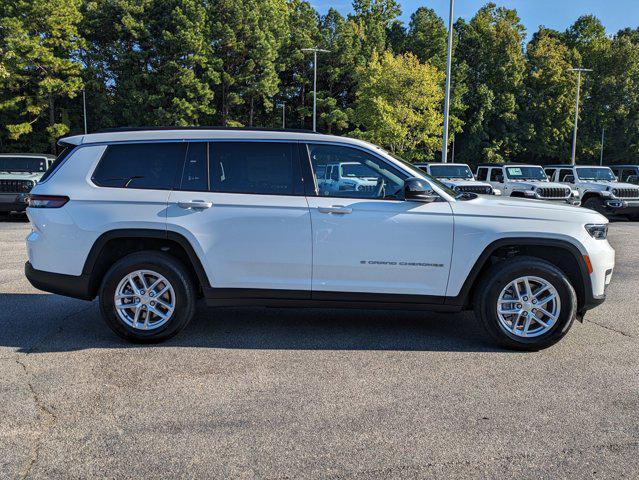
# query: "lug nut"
x,y
525,314
525,299
534,301
153,304
519,305
151,294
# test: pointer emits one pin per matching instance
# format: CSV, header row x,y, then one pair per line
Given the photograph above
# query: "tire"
x,y
161,322
596,204
500,278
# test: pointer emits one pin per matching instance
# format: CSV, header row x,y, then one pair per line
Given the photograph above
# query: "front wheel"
x,y
596,204
526,303
147,297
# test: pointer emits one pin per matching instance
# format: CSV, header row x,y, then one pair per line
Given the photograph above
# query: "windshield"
x,y
597,173
356,170
451,171
23,164
526,173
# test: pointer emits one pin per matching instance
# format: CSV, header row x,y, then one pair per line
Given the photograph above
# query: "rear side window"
x,y
195,173
268,168
140,165
482,174
57,162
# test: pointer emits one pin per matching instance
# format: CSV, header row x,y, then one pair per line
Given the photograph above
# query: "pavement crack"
x,y
47,418
611,329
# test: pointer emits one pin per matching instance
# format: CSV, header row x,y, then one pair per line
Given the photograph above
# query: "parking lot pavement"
x,y
318,393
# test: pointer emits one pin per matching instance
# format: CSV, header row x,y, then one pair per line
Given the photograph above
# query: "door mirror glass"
x,y
419,190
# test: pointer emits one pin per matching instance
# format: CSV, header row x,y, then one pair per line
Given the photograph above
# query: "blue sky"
x,y
558,14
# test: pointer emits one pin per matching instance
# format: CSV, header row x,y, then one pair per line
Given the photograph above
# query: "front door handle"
x,y
195,204
339,209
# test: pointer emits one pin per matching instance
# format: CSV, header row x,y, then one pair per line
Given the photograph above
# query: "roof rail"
x,y
257,129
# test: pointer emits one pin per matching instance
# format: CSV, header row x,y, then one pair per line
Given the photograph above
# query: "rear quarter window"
x,y
140,165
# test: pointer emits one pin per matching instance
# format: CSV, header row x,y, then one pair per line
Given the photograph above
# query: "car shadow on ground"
x,y
50,323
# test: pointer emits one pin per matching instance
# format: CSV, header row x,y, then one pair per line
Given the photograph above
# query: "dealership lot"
x,y
317,393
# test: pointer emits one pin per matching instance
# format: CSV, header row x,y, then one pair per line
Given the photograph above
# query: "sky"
x,y
557,14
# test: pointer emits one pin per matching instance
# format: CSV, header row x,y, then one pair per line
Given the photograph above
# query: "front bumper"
x,y
562,201
621,206
60,284
13,202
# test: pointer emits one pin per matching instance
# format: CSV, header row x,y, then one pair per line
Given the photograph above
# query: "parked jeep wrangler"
x,y
18,174
598,188
526,181
626,173
457,176
151,220
346,177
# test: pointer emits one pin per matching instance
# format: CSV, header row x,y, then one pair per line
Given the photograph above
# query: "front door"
x,y
366,238
242,206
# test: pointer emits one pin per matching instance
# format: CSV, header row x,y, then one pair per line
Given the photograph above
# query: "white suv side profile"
x,y
150,220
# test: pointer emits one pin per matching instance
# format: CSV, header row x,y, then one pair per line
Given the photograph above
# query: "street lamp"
x,y
84,109
283,107
315,50
574,133
449,58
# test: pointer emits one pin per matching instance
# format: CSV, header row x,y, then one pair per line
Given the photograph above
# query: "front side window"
x,y
23,164
496,175
140,165
451,171
267,168
595,173
526,173
565,172
354,173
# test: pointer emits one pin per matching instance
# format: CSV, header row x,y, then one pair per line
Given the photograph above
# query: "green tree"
x,y
39,40
398,105
247,37
491,46
549,97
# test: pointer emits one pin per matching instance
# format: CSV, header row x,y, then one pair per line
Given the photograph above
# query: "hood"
x,y
521,208
35,176
462,183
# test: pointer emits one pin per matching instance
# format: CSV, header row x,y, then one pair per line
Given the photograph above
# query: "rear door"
x,y
367,238
242,206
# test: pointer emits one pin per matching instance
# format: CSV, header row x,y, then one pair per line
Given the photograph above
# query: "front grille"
x,y
15,186
481,189
366,188
553,192
626,192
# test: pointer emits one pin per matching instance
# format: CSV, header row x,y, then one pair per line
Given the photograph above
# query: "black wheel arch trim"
x,y
587,302
102,240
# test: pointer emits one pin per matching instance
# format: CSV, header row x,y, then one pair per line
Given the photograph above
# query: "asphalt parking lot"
x,y
283,393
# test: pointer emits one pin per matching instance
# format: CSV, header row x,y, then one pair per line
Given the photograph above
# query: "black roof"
x,y
509,164
623,165
257,129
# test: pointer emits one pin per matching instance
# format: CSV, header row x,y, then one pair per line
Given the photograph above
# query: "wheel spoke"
x,y
142,280
548,314
527,325
516,323
122,296
136,316
163,316
552,296
528,289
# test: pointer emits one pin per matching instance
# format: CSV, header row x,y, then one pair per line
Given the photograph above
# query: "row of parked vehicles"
x,y
608,190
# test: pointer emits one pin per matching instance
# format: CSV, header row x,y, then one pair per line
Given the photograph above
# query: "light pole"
x,y
283,107
574,133
84,109
603,132
315,50
449,58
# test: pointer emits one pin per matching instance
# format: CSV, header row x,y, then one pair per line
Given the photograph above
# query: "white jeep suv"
x,y
526,181
598,188
457,176
19,172
150,220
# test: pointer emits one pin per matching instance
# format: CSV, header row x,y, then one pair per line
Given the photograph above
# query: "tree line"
x,y
239,62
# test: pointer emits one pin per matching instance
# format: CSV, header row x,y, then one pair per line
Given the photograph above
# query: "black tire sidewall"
x,y
501,276
173,271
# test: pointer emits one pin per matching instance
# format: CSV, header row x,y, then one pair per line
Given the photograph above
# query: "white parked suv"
x,y
457,176
19,172
598,188
526,181
345,177
150,220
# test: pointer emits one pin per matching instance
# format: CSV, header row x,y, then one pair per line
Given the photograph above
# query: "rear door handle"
x,y
195,205
340,209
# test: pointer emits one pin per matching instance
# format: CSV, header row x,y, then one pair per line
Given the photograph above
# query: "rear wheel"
x,y
147,297
526,303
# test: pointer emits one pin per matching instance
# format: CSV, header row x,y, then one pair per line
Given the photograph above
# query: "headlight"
x,y
597,230
496,191
615,192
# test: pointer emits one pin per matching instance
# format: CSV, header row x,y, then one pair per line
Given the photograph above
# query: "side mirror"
x,y
418,190
569,179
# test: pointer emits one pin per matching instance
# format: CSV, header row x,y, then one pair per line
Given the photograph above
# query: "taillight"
x,y
46,201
